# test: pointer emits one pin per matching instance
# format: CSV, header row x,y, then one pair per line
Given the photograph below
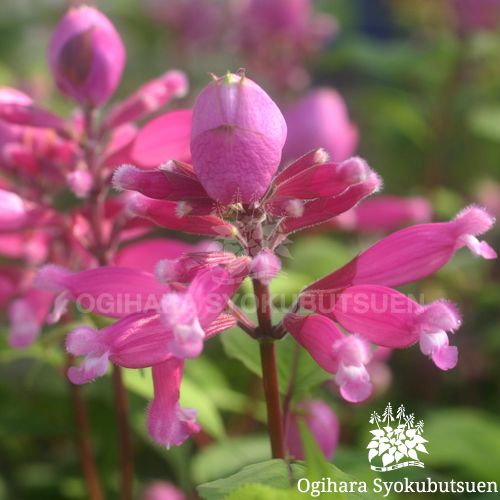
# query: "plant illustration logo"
x,y
396,441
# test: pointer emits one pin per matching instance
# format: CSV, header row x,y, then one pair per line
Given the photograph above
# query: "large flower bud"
x,y
236,141
320,120
322,423
87,56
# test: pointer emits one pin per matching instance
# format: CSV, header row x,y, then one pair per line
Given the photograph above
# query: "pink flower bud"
x,y
171,181
265,266
87,56
320,119
149,98
17,108
236,141
80,182
161,490
12,210
322,423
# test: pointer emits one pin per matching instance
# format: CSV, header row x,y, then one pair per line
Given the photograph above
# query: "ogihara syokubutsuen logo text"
x,y
397,440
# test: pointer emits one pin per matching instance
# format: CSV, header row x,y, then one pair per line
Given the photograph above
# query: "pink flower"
x,y
323,182
356,295
346,356
80,182
164,138
109,291
139,340
13,211
168,423
161,490
412,253
348,183
477,15
389,318
322,423
18,108
173,181
187,314
86,56
320,119
145,254
185,268
385,213
27,315
237,129
172,215
149,98
175,323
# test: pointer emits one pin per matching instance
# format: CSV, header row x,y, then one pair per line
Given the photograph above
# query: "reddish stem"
x,y
102,250
271,391
125,439
269,369
84,444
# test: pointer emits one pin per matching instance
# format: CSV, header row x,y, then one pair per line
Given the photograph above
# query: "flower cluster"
x,y
234,186
46,159
238,174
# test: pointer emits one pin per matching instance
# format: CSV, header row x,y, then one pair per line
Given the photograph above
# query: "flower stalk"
x,y
84,444
102,250
269,369
271,392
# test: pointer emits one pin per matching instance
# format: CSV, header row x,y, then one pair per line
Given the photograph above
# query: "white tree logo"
x,y
396,439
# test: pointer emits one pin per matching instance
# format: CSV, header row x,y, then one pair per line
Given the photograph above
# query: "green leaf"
x,y
465,439
192,396
276,473
316,256
317,467
316,463
226,457
238,345
303,372
207,376
308,374
485,122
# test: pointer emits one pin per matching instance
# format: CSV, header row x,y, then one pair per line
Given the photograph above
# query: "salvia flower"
x,y
385,213
157,327
168,423
345,356
357,297
86,56
236,189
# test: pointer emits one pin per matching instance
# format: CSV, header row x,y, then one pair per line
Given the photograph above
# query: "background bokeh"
x,y
423,87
